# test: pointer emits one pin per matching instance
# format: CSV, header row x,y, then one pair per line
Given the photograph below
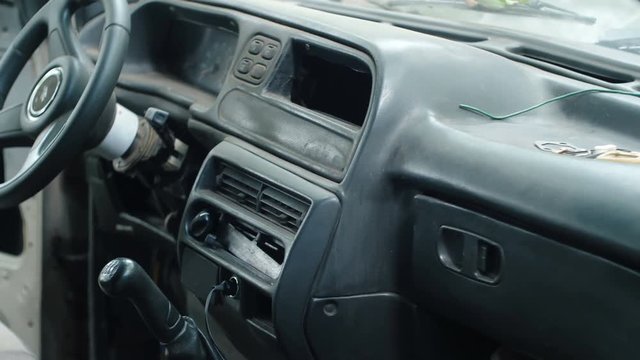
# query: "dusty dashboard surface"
x,y
338,153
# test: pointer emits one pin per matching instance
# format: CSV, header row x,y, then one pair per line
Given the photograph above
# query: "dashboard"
x,y
341,182
302,97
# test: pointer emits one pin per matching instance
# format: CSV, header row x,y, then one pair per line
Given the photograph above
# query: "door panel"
x,y
20,279
20,228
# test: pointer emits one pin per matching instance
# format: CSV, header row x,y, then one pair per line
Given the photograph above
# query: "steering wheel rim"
x,y
68,109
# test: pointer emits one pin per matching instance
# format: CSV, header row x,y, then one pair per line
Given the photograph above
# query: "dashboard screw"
x,y
330,309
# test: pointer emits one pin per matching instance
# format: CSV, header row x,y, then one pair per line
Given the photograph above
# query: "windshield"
x,y
613,23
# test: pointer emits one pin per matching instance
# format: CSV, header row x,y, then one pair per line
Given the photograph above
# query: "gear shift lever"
x,y
124,278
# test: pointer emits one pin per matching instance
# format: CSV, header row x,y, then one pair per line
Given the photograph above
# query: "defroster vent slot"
x,y
275,204
575,65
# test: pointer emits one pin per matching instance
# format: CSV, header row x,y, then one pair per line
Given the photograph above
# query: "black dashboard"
x,y
299,96
342,180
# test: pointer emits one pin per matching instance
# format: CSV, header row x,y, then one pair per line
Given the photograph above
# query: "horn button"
x,y
44,93
54,95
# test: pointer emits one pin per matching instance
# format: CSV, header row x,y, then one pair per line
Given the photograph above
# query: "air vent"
x,y
239,186
584,68
274,204
448,34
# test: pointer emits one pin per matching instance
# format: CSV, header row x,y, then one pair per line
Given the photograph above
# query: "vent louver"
x,y
263,198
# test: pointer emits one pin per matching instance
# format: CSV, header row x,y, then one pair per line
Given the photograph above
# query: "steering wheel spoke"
x,y
61,38
43,142
11,132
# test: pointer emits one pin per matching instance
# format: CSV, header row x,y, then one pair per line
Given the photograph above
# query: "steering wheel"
x,y
70,107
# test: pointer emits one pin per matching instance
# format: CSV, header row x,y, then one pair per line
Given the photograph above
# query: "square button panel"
x,y
257,59
269,52
255,46
244,66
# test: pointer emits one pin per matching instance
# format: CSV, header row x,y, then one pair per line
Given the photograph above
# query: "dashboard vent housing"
x,y
277,205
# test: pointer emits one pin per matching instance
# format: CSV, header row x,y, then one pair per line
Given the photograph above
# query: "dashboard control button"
x,y
211,241
269,52
258,71
244,66
256,46
201,225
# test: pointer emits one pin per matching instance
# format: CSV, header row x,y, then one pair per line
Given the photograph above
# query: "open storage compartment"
x,y
325,80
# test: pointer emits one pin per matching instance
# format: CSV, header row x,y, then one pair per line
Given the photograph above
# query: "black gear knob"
x,y
124,278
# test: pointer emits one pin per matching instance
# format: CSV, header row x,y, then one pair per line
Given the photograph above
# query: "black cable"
x,y
215,354
222,288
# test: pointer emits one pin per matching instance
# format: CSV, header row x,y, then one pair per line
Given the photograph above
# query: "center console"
x,y
251,220
279,113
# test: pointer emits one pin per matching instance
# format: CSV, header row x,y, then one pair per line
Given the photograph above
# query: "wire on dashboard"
x,y
481,112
